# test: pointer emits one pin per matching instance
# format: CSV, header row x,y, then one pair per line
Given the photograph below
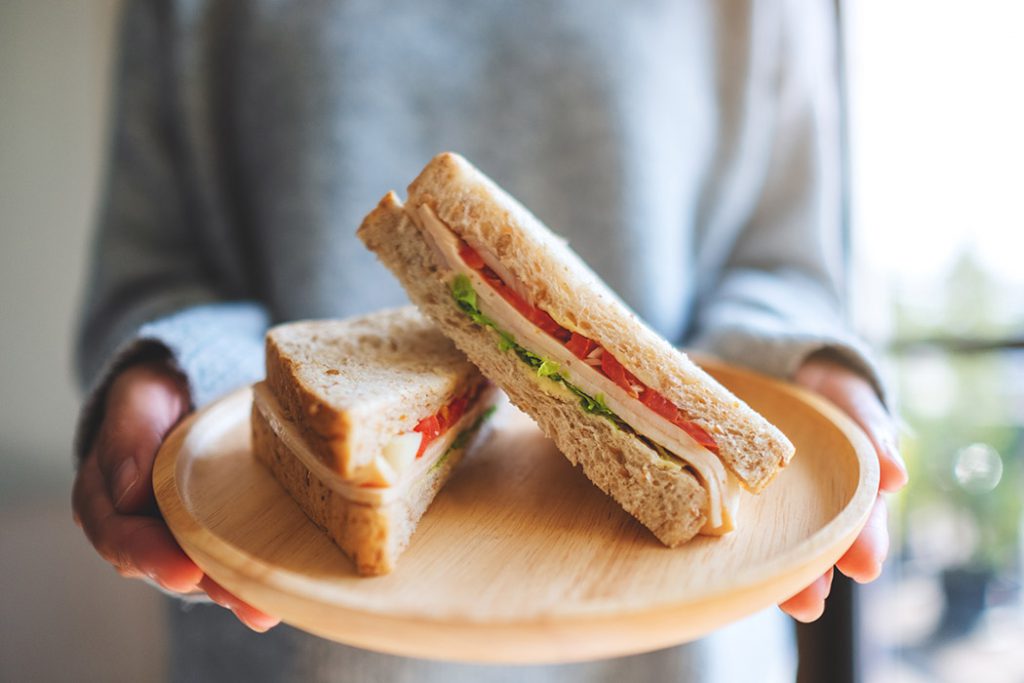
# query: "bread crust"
x,y
350,385
668,500
558,281
373,536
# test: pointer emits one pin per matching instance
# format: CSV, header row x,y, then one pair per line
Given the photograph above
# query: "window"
x,y
936,104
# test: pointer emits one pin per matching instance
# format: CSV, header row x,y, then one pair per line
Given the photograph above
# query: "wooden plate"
x,y
520,559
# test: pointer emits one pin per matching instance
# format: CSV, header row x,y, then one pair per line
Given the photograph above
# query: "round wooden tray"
x,y
520,559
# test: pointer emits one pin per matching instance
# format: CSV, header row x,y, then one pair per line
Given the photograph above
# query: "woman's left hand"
x,y
852,393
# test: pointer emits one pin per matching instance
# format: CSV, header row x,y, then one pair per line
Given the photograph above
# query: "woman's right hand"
x,y
113,499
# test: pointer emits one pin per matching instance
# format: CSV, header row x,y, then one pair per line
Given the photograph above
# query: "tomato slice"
x,y
518,302
435,425
662,406
580,346
471,256
507,293
615,372
659,404
456,409
696,433
430,428
545,322
491,277
535,315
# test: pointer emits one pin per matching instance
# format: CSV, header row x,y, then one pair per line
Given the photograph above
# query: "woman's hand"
x,y
113,498
855,396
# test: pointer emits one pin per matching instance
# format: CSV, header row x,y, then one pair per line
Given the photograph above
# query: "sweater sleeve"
x,y
778,296
152,290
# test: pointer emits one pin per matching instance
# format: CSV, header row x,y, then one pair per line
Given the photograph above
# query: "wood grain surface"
x,y
520,559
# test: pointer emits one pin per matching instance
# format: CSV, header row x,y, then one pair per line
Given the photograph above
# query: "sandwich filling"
x,y
405,460
567,361
432,426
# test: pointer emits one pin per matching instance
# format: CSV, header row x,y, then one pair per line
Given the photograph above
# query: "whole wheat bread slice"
x,y
373,536
668,500
351,385
344,389
559,282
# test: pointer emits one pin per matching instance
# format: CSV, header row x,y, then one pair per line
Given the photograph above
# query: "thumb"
x,y
142,405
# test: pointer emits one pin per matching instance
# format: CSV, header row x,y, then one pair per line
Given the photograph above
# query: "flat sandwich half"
x,y
644,423
362,420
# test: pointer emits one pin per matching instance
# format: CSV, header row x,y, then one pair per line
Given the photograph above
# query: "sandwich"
x,y
671,445
362,420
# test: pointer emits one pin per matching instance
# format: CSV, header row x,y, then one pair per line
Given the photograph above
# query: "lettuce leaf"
x,y
464,294
594,404
466,299
549,368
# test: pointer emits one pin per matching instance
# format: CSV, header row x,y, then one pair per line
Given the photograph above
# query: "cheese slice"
x,y
722,488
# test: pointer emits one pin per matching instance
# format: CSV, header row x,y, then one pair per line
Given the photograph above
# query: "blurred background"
x,y
937,169
66,615
936,113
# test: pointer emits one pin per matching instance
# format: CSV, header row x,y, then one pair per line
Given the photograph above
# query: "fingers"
x,y
140,546
892,471
141,407
850,392
863,561
809,604
137,546
114,485
118,464
867,411
250,616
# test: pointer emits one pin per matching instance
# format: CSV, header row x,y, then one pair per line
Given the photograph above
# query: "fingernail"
x,y
894,453
905,476
125,478
890,449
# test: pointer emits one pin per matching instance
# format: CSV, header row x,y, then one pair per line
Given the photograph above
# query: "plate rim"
x,y
820,550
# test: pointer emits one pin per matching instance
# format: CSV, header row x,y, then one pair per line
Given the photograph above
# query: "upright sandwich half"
x,y
644,423
362,421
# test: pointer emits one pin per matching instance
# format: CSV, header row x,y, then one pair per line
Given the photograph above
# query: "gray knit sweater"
x,y
688,151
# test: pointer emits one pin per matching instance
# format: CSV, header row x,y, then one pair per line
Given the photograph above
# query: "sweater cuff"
x,y
216,347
